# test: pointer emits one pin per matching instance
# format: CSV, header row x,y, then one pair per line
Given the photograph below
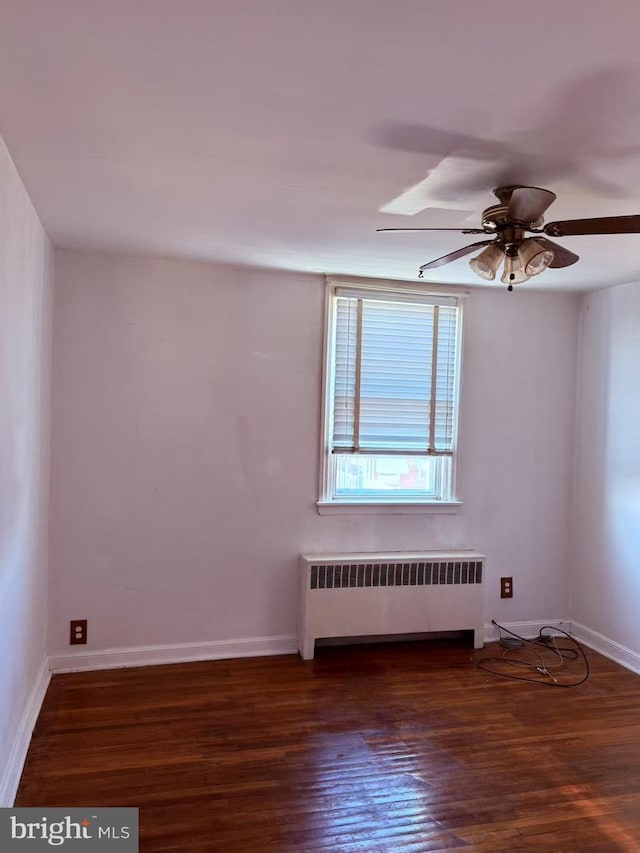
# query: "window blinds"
x,y
394,374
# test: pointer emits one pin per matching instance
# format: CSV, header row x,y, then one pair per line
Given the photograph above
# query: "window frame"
x,y
327,504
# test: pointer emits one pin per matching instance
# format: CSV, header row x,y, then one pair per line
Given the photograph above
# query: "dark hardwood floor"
x,y
404,747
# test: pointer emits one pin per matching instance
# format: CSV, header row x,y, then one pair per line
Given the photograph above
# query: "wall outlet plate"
x,y
506,587
78,632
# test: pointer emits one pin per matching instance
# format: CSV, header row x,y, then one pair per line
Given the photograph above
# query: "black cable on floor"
x,y
548,643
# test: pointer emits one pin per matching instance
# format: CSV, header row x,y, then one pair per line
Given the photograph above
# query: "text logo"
x,y
97,829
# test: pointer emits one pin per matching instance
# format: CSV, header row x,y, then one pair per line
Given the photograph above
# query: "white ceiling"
x,y
272,132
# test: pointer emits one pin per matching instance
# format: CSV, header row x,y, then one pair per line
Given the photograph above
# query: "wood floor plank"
x,y
403,748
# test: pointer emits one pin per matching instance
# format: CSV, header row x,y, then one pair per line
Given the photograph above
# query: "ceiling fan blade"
x,y
561,257
598,225
527,204
453,256
457,230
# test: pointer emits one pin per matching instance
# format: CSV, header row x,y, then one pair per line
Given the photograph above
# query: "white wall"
x,y
25,269
606,580
185,430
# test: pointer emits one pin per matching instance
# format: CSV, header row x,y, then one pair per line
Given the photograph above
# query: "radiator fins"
x,y
346,575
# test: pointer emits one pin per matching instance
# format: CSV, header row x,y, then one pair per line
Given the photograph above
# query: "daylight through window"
x,y
391,396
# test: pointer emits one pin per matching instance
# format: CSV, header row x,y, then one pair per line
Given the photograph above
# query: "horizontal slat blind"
x,y
445,378
387,394
344,388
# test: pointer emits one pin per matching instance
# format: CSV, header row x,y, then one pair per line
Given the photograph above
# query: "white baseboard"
x,y
80,661
528,630
609,648
155,655
13,770
287,644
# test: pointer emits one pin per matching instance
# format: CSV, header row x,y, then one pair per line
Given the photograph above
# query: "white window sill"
x,y
380,508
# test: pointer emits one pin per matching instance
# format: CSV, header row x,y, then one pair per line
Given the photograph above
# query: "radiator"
x,y
358,595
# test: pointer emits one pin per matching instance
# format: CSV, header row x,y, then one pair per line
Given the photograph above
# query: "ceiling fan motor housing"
x,y
496,221
493,217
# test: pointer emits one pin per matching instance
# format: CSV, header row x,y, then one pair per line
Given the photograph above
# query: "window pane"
x,y
389,477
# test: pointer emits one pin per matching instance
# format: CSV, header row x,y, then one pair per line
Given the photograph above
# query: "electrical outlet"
x,y
78,632
506,587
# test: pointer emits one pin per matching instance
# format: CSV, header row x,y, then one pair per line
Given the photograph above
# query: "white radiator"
x,y
358,595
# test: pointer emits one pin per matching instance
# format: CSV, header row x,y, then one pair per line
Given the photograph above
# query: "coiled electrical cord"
x,y
541,666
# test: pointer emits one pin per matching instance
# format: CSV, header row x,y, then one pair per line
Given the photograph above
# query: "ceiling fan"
x,y
520,211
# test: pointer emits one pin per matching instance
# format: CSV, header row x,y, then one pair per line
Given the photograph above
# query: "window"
x,y
391,395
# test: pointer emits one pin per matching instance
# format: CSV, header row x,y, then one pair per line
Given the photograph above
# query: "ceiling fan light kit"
x,y
520,211
487,264
534,257
513,271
